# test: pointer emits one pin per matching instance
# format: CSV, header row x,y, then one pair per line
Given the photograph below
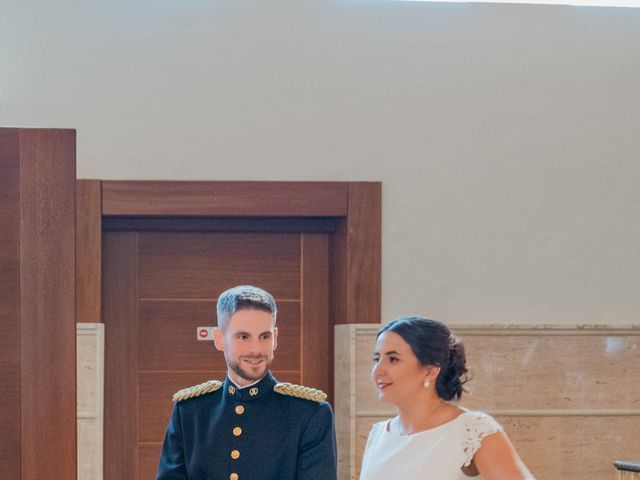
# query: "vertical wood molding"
x,y
44,325
315,319
88,250
357,256
120,316
10,302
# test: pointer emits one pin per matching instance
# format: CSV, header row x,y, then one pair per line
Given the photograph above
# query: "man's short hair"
x,y
244,297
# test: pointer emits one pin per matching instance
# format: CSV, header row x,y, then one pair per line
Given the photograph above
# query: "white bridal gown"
x,y
435,454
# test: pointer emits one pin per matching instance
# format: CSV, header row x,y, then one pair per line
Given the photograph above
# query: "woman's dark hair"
x,y
434,344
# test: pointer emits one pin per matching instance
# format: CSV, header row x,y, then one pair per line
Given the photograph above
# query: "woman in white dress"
x,y
419,366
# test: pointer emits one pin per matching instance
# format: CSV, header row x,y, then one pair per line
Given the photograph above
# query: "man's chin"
x,y
251,375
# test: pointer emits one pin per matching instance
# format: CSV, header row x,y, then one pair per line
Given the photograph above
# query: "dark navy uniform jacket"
x,y
253,433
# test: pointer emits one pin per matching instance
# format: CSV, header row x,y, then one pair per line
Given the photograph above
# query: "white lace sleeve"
x,y
477,425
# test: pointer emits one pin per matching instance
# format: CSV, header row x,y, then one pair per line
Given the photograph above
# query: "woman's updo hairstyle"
x,y
433,344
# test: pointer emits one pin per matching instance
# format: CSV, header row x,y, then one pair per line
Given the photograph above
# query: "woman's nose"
x,y
377,370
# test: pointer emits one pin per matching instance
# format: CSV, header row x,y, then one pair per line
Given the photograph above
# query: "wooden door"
x,y
158,286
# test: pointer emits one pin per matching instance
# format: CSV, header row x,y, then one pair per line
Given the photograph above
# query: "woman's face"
x,y
397,372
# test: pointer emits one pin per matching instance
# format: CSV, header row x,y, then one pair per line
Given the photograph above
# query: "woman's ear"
x,y
432,372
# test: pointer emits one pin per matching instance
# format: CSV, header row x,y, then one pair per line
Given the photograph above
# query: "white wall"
x,y
507,137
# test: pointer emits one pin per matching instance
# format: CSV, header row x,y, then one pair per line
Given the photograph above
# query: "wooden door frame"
x,y
352,208
355,260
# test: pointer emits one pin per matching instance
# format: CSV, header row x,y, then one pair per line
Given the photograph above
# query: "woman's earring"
x,y
427,382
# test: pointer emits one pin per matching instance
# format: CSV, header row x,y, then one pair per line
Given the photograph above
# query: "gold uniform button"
x,y
239,409
235,454
237,432
233,476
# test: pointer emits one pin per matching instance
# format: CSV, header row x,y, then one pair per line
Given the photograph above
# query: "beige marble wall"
x,y
569,397
620,475
90,394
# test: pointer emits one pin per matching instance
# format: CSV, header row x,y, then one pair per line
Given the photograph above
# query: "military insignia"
x,y
299,391
253,392
197,390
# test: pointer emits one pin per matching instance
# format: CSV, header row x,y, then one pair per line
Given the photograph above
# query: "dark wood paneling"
x,y
148,456
199,265
168,336
10,303
220,224
314,199
88,251
47,283
120,316
316,336
48,379
356,257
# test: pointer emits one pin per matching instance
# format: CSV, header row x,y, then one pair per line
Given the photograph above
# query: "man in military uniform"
x,y
249,427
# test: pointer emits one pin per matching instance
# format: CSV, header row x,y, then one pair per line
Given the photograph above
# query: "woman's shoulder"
x,y
477,417
475,426
378,427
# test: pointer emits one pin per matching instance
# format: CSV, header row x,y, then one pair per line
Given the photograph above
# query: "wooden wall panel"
x,y
310,199
168,325
10,303
567,396
357,257
148,456
88,251
48,351
120,316
201,265
315,335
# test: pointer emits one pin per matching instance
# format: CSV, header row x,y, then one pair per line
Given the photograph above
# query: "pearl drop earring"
x,y
427,382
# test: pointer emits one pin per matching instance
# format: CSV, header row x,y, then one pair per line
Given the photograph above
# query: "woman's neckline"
x,y
387,424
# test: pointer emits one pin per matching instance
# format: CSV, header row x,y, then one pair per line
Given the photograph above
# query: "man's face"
x,y
248,342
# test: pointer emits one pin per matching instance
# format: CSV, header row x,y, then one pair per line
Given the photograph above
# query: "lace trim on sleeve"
x,y
477,426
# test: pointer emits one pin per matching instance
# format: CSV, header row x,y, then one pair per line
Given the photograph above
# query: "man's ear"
x,y
218,339
275,338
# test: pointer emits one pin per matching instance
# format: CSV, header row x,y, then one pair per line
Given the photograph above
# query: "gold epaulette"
x,y
300,392
197,390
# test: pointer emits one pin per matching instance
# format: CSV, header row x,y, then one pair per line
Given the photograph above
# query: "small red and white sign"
x,y
205,333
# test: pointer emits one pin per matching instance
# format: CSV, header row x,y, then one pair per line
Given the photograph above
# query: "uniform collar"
x,y
260,389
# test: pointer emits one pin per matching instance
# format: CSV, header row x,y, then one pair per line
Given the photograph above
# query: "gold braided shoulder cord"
x,y
197,390
300,391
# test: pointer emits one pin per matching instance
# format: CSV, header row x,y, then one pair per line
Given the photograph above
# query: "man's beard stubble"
x,y
247,374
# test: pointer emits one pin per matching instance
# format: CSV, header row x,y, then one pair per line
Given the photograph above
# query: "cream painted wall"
x,y
507,137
